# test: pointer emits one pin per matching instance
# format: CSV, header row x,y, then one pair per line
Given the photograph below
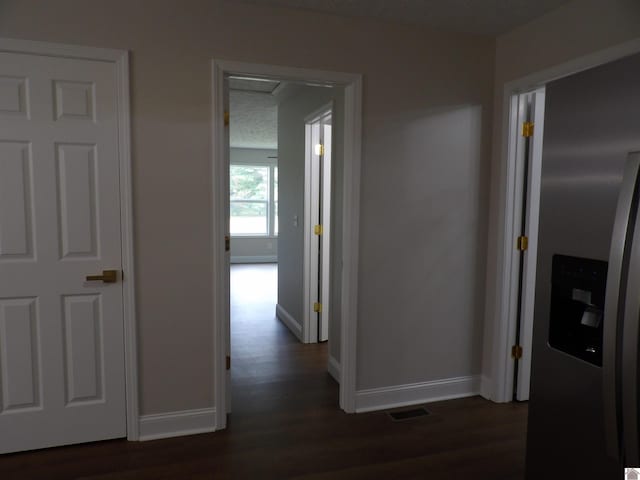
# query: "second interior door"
x,y
318,196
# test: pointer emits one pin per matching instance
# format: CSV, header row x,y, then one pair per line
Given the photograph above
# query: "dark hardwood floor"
x,y
286,423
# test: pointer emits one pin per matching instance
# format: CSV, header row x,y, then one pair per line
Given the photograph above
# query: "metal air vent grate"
x,y
399,416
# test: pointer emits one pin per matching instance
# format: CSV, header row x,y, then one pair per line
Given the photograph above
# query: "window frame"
x,y
270,202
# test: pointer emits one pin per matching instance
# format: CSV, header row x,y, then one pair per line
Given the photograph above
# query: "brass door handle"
x,y
108,276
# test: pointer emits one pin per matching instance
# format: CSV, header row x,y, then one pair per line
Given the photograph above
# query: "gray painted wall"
x,y
249,249
427,112
292,112
254,250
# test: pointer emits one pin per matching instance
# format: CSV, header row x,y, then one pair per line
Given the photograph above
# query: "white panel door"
x,y
61,337
315,218
532,215
318,212
325,220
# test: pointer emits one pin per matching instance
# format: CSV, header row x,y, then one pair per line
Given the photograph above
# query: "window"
x,y
253,200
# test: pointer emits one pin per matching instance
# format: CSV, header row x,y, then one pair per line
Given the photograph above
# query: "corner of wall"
x,y
486,387
290,322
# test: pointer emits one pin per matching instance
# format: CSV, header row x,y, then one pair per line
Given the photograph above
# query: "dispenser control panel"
x,y
577,307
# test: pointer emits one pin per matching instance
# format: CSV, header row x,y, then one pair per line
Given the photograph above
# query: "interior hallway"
x,y
286,423
271,371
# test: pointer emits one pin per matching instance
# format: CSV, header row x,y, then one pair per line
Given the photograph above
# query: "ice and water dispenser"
x,y
577,307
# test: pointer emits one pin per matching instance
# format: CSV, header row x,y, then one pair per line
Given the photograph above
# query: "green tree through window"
x,y
251,205
249,183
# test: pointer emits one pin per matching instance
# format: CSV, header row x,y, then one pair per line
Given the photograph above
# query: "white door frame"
x,y
519,151
529,265
500,388
312,203
351,214
120,58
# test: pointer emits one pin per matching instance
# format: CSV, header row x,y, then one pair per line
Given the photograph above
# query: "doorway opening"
x,y
278,142
276,212
504,381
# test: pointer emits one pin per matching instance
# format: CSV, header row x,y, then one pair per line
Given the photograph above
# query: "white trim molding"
x,y
316,200
177,424
120,58
128,262
292,324
78,52
218,296
350,242
486,387
498,317
352,84
416,393
334,368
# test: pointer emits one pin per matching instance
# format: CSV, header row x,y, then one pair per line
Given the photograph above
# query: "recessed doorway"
x,y
345,234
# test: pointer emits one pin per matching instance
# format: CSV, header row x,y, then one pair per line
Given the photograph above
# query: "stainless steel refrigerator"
x,y
583,406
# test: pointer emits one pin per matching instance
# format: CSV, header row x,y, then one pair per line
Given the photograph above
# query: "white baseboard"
x,y
334,369
289,321
177,424
254,259
416,393
486,387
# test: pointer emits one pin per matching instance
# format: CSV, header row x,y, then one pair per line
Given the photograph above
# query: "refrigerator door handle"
x,y
630,336
615,305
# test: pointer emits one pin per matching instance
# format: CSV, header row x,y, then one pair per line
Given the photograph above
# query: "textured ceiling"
x,y
253,119
253,84
488,17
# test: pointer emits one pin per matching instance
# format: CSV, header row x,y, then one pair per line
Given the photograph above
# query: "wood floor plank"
x,y
286,424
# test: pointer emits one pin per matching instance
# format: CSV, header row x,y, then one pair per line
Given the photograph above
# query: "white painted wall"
x,y
424,228
579,28
251,249
427,112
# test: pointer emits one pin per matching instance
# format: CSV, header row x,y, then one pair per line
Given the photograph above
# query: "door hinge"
x,y
527,129
523,243
317,307
226,118
516,352
317,229
227,243
319,150
228,362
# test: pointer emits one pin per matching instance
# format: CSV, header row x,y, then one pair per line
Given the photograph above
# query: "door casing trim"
x,y
352,84
120,58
